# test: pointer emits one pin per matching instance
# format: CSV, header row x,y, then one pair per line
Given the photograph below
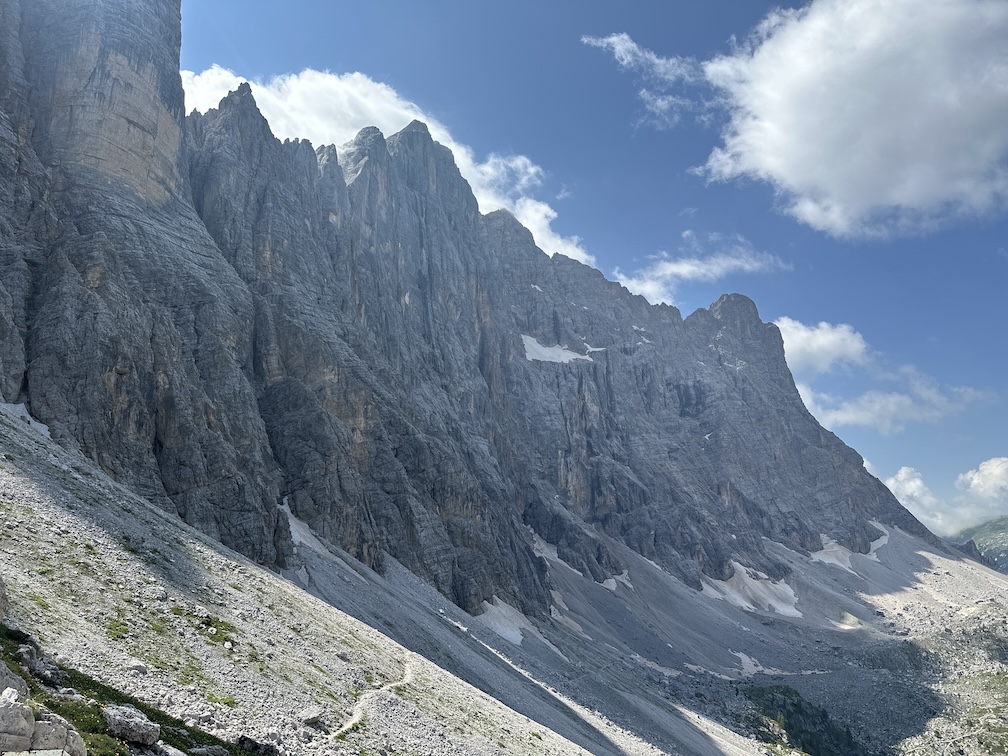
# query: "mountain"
x,y
225,322
990,539
325,355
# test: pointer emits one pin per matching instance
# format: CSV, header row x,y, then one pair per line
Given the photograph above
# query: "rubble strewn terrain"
x,y
111,586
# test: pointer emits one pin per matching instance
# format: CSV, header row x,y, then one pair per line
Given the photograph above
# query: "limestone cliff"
x,y
226,322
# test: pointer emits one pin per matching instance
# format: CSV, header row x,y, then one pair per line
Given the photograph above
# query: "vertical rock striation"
x,y
227,322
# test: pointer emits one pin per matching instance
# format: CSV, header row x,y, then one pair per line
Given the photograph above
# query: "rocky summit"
x,y
318,355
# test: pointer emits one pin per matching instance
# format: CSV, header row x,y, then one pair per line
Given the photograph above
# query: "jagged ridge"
x,y
226,322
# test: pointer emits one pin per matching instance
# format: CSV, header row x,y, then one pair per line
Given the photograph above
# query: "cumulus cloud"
x,y
818,348
328,108
988,481
948,517
710,259
908,486
868,117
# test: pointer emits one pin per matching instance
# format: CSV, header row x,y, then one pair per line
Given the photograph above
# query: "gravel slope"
x,y
124,592
907,645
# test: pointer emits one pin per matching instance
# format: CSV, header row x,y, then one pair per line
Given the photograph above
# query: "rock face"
x,y
17,723
130,724
227,322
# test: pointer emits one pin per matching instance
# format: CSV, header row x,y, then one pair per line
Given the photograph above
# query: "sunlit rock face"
x,y
227,322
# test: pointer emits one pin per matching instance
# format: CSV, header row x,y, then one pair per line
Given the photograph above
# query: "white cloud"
x,y
950,516
868,117
328,108
817,349
897,397
719,255
989,480
630,55
918,399
663,109
909,488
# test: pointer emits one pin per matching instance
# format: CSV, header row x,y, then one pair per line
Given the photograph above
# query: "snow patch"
x,y
558,599
511,625
20,412
568,623
833,553
549,552
624,578
541,353
654,564
655,666
751,666
704,670
609,584
536,288
591,349
752,591
879,542
301,532
504,620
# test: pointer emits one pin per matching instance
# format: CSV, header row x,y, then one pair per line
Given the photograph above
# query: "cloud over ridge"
x,y
328,108
709,258
972,506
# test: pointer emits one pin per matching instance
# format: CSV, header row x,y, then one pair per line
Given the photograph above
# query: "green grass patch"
x,y
227,700
117,628
211,628
87,718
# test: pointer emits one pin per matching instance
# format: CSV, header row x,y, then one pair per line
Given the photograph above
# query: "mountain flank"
x,y
311,398
226,323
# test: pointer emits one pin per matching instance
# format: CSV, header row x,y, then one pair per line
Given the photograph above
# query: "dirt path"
x,y
360,708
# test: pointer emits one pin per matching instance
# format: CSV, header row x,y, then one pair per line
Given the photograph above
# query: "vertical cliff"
x,y
227,322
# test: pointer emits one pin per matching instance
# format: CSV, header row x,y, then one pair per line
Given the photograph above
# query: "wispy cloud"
x,y
328,108
710,259
889,412
898,397
867,117
662,108
631,56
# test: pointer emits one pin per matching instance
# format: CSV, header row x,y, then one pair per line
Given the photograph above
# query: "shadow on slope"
x,y
646,652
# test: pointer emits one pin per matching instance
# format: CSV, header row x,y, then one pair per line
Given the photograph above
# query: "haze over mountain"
x,y
311,353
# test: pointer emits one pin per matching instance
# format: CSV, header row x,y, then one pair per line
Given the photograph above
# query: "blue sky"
x,y
843,163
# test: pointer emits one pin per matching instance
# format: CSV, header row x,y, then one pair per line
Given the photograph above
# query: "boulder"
x,y
311,714
9,679
17,723
130,724
53,733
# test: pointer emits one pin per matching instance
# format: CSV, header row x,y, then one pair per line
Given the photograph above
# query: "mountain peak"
x,y
735,308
